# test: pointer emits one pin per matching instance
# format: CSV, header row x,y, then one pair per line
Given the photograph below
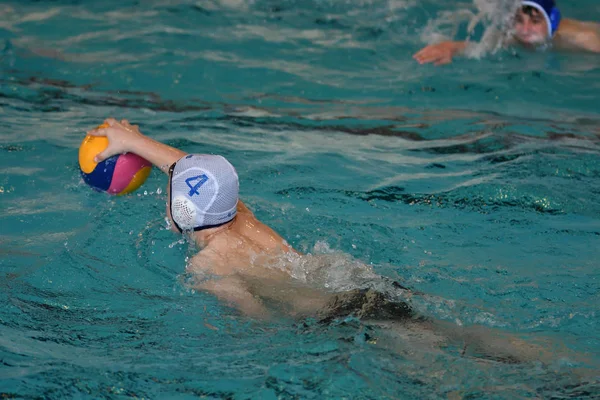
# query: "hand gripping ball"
x,y
119,174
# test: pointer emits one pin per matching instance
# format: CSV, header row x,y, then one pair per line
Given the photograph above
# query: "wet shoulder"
x,y
258,235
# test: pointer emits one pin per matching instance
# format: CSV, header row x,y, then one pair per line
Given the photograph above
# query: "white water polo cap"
x,y
204,192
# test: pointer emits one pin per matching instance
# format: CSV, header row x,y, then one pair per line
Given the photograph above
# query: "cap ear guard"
x,y
554,20
183,212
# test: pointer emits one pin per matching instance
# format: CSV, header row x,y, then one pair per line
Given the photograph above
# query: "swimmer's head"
x,y
536,21
203,192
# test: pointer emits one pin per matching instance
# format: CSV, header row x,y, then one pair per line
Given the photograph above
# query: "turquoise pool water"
x,y
476,183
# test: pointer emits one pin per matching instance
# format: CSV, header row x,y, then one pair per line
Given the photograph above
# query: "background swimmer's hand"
x,y
120,137
439,54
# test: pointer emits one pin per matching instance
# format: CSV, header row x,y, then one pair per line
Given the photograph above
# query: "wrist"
x,y
136,143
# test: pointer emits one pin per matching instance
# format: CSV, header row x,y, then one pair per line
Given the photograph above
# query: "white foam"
x,y
495,15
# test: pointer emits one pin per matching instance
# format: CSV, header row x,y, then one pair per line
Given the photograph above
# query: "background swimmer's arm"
x,y
441,53
589,40
233,290
124,137
578,35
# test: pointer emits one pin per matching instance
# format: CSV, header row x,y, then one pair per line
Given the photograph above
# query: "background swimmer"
x,y
537,23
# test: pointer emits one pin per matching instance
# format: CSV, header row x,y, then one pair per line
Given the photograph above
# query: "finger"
x,y
429,58
421,54
111,121
443,61
100,130
128,126
432,54
106,153
119,125
422,51
102,156
97,132
423,60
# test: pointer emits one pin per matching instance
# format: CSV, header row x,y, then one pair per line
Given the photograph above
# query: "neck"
x,y
205,236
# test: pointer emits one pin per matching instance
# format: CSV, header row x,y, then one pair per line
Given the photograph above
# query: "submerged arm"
x,y
214,273
233,290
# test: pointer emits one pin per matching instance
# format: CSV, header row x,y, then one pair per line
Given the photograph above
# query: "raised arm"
x,y
124,137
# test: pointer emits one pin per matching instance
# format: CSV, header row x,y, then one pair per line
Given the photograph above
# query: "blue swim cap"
x,y
549,11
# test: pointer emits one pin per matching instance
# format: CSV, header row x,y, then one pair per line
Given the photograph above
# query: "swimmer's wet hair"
x,y
531,11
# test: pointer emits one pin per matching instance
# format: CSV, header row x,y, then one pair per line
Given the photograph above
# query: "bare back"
x,y
246,247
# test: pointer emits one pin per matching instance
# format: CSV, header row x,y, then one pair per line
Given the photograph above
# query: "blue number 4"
x,y
199,179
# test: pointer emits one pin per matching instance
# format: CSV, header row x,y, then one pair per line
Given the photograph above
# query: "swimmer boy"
x,y
236,248
245,263
537,23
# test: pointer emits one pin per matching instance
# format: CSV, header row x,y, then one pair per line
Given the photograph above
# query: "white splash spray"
x,y
496,16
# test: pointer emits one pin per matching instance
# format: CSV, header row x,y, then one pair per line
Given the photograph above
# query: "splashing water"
x,y
496,16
